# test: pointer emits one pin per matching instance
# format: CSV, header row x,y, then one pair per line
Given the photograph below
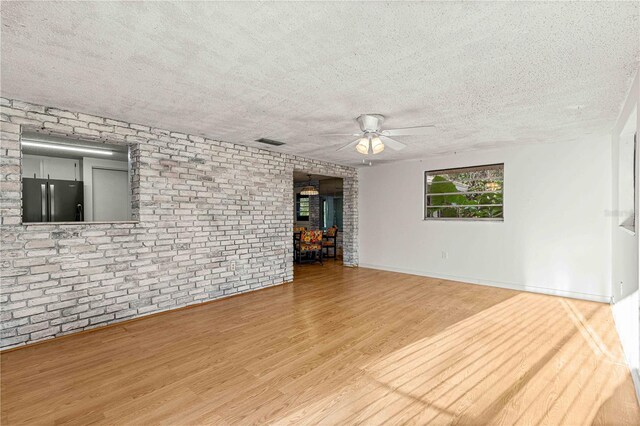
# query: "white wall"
x,y
624,244
555,237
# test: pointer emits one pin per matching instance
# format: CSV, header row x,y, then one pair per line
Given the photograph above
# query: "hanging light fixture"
x,y
369,144
363,146
376,145
309,189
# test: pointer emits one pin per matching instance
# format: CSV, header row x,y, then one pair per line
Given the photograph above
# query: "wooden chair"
x,y
309,245
329,241
297,230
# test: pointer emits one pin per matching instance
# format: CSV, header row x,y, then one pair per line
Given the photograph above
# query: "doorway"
x,y
319,205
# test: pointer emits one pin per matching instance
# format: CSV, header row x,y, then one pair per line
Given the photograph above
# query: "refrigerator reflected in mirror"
x,y
66,180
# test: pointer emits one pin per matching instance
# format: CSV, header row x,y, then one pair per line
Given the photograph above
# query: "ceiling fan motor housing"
x,y
370,123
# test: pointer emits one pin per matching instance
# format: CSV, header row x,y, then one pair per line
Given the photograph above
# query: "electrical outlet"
x,y
445,255
621,287
233,265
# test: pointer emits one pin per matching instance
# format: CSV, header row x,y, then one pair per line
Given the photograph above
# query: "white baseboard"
x,y
507,285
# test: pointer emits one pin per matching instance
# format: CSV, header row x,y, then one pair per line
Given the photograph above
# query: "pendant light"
x,y
309,189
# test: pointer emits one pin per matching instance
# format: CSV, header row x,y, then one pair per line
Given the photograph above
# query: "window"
x,y
474,193
67,180
302,207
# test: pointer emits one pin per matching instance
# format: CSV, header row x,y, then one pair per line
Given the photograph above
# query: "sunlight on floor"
x,y
488,368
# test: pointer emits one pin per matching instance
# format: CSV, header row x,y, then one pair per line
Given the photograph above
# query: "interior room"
x,y
329,213
318,218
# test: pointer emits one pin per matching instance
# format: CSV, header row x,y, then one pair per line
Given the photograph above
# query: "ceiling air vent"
x,y
269,142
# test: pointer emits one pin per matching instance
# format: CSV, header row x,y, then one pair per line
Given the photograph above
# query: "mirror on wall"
x,y
68,180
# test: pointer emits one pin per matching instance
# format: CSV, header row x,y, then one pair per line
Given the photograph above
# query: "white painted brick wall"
x,y
198,204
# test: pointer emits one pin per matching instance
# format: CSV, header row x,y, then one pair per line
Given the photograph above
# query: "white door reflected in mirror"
x,y
110,195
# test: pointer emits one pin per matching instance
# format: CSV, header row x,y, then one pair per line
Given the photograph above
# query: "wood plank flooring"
x,y
338,346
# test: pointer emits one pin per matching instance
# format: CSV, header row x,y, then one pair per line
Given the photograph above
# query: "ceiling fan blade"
x,y
408,131
336,134
392,143
349,145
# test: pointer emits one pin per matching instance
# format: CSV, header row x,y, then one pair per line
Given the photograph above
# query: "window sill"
x,y
115,222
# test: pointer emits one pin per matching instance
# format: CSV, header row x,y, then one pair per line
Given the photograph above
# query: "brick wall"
x,y
198,205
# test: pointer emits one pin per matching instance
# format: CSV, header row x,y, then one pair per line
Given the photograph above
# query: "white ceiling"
x,y
487,74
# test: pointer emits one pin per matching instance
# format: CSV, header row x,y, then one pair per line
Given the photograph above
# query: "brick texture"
x,y
198,205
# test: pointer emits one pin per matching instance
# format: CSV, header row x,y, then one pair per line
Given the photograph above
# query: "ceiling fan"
x,y
372,139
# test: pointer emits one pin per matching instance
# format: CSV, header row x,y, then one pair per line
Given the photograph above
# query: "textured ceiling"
x,y
486,74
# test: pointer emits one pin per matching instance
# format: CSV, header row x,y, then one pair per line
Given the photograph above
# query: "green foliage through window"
x,y
466,193
302,207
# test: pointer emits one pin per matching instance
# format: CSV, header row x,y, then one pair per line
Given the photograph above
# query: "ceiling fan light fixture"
x,y
370,140
363,146
376,145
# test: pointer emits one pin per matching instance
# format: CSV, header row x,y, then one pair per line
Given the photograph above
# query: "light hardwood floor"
x,y
339,346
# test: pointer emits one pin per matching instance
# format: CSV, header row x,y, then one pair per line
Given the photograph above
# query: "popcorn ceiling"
x,y
488,74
